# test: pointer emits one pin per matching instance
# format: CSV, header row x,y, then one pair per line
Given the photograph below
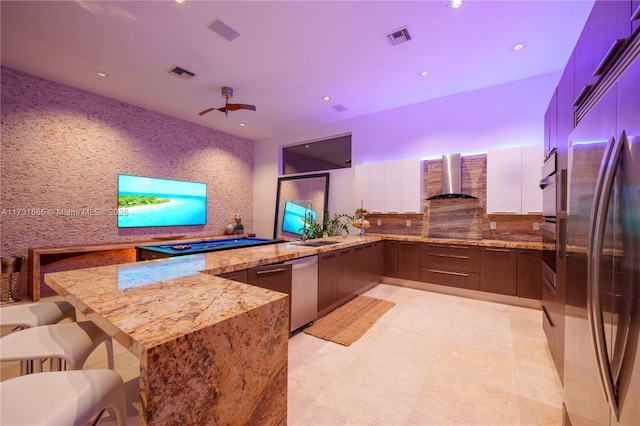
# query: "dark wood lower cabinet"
x,y
498,270
409,260
277,276
273,277
529,274
450,265
363,267
327,280
335,279
345,273
376,260
390,259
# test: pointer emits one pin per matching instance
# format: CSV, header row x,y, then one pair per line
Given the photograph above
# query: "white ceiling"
x,y
289,53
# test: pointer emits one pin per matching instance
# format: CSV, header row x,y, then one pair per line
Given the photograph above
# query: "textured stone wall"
x,y
62,149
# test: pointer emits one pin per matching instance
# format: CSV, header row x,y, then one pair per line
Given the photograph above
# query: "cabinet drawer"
x,y
498,270
450,257
468,280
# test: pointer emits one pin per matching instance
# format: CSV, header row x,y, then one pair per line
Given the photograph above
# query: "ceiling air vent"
x,y
339,108
398,37
223,30
182,73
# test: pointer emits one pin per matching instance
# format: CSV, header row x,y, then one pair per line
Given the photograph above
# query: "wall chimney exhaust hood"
x,y
451,178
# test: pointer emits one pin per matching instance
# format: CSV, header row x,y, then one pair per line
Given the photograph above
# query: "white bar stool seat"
x,y
61,397
71,342
36,314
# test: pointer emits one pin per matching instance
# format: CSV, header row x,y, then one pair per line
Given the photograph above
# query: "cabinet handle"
x,y
550,288
547,316
438,271
408,244
614,52
448,246
271,271
454,256
498,250
326,256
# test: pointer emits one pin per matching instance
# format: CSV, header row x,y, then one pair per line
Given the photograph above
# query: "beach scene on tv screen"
x,y
292,220
145,201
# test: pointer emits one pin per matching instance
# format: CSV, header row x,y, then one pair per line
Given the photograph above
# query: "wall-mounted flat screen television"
x,y
146,201
293,215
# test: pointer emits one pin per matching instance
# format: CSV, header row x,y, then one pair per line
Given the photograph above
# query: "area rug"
x,y
349,322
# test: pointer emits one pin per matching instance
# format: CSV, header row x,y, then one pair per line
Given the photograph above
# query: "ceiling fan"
x,y
227,93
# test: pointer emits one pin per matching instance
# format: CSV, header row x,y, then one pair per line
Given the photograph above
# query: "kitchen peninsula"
x,y
211,350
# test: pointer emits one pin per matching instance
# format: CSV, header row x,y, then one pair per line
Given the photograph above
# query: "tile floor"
x,y
433,359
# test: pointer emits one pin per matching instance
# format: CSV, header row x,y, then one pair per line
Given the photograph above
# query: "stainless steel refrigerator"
x,y
602,311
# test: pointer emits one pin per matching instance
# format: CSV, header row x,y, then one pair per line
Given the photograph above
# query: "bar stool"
x,y
33,315
62,398
71,342
36,314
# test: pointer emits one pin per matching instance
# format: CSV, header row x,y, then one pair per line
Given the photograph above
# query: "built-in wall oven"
x,y
548,184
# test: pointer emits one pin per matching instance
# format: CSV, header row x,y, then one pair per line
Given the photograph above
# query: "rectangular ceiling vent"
x,y
182,73
398,37
339,108
223,30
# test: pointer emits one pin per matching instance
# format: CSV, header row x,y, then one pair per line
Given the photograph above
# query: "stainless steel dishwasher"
x,y
304,291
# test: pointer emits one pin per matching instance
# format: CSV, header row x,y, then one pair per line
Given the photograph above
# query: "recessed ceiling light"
x,y
326,98
101,74
180,1
455,4
517,47
242,124
424,73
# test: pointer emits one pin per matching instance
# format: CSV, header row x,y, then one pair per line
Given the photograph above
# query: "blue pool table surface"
x,y
203,246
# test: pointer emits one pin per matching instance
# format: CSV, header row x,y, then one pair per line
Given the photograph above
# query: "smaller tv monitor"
x,y
292,220
146,201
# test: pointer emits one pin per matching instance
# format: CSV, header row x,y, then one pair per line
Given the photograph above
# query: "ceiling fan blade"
x,y
235,107
206,111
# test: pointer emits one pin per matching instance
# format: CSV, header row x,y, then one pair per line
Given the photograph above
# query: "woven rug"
x,y
349,322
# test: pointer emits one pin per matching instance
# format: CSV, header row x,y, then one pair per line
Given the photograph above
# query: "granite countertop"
x,y
145,304
530,245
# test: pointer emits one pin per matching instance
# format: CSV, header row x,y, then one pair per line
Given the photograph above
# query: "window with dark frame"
x,y
325,154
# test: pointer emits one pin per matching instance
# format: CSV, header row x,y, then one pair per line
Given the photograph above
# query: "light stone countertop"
x,y
171,313
144,304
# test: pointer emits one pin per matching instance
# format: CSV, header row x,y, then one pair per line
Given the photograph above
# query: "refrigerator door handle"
x,y
602,197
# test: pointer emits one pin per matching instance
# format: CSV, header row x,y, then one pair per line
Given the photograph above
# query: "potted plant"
x,y
333,226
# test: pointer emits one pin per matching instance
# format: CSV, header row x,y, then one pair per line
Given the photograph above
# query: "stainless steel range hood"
x,y
451,178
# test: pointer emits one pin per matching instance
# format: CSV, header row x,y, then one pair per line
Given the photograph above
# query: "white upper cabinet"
x,y
376,188
512,180
412,185
361,186
532,159
389,187
393,186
